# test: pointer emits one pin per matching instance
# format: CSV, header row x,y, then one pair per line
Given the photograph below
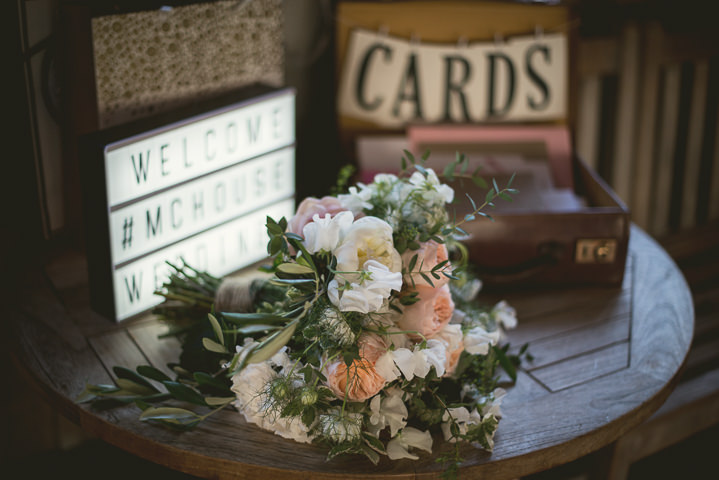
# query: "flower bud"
x,y
308,396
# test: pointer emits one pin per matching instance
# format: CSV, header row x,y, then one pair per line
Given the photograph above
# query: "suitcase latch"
x,y
595,250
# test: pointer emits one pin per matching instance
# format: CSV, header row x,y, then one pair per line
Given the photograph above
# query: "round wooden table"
x,y
605,359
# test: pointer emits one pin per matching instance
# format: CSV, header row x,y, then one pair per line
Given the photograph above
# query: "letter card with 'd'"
x,y
195,186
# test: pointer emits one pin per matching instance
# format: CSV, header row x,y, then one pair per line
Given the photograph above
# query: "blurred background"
x,y
644,114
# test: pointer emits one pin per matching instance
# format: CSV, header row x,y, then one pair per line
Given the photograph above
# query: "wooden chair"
x,y
648,120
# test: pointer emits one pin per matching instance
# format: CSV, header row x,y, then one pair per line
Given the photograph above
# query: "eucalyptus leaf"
x,y
134,388
152,373
205,379
171,416
128,374
217,401
250,329
272,345
294,269
254,318
213,346
180,391
216,328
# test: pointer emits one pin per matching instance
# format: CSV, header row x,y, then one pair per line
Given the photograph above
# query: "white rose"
x,y
249,386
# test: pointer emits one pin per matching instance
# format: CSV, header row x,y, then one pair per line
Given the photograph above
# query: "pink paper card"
x,y
550,142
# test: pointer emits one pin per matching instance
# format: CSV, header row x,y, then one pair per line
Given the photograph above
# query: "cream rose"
x,y
369,238
368,267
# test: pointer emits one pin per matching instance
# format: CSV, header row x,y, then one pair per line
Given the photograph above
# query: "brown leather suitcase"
x,y
587,246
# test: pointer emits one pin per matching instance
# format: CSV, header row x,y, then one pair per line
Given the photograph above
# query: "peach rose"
x,y
372,346
311,206
453,360
360,382
431,313
452,338
429,254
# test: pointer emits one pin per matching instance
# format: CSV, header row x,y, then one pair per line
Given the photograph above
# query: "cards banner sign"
x,y
199,190
394,82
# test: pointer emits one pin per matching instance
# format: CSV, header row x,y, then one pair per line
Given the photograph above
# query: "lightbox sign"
x,y
199,189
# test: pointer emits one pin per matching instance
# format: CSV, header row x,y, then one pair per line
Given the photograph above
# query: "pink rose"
x,y
429,254
430,314
359,383
311,206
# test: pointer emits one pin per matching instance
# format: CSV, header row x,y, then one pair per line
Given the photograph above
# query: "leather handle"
x,y
548,254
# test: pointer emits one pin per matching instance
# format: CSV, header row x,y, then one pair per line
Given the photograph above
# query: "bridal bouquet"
x,y
364,335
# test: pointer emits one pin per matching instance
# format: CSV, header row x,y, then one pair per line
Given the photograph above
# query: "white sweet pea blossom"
x,y
492,407
386,368
505,315
462,417
435,192
389,411
418,361
436,355
409,363
451,335
323,234
356,200
409,437
369,294
477,340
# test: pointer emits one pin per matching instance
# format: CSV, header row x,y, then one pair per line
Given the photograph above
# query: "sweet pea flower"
x,y
369,294
493,407
418,361
435,192
323,234
477,340
399,446
356,200
430,314
311,206
462,417
505,315
389,411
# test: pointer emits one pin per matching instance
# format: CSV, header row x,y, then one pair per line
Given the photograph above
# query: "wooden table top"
x,y
605,359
